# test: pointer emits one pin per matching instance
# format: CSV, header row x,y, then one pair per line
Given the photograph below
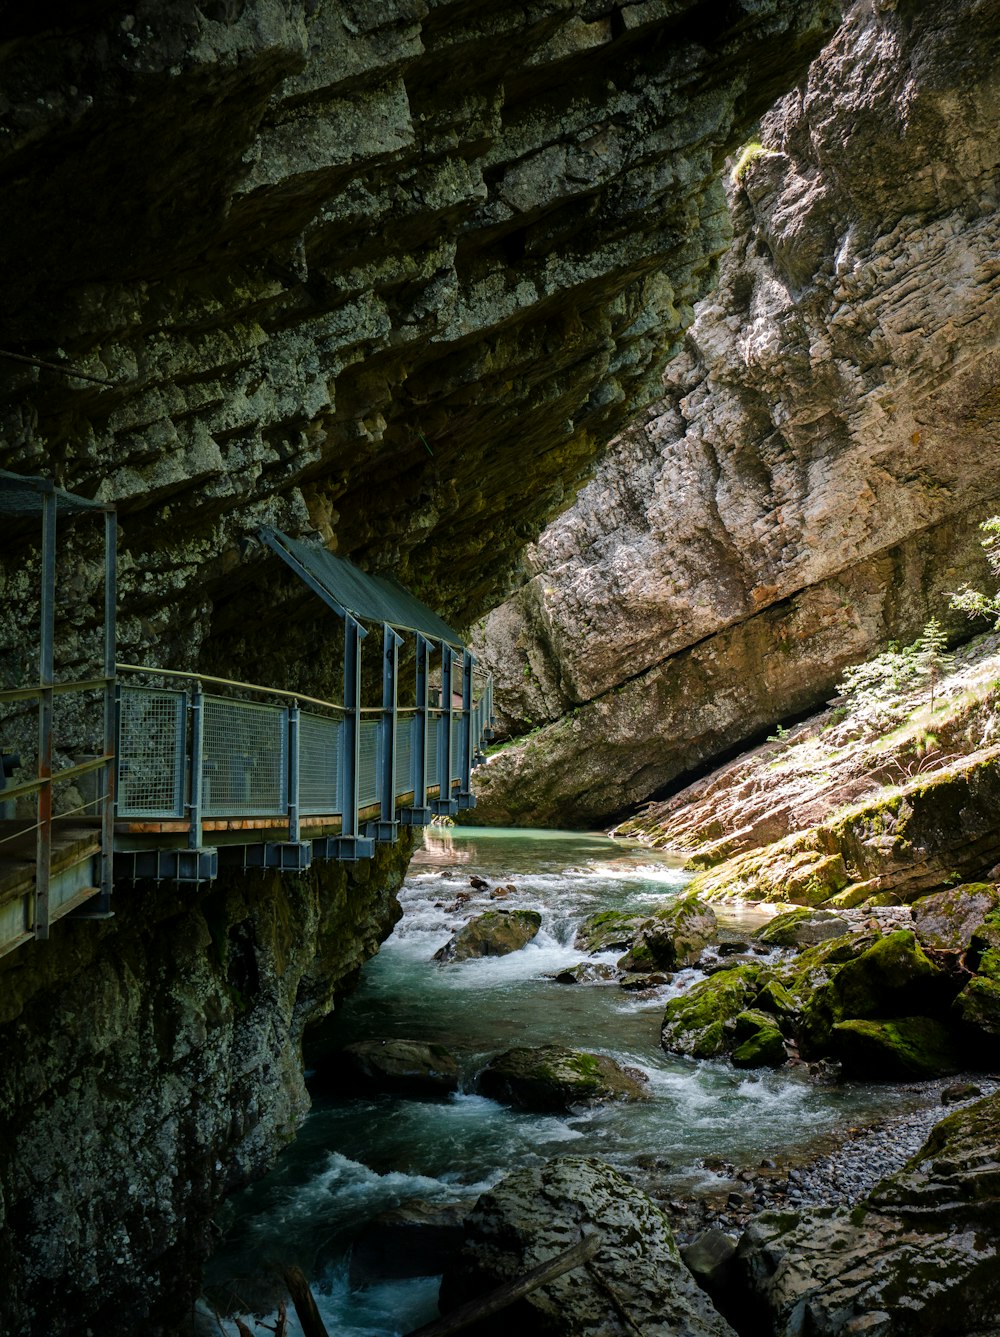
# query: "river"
x,y
356,1158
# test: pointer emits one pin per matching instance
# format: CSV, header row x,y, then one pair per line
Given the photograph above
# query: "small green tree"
x,y
930,655
971,601
876,688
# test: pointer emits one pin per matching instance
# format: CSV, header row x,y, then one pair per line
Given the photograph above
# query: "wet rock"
x,y
729,963
918,1257
550,1079
587,972
672,938
978,1006
638,983
893,977
493,933
709,1258
501,893
802,927
695,1023
479,883
895,1050
536,1213
950,918
951,1095
416,1239
406,1067
607,930
758,1041
775,999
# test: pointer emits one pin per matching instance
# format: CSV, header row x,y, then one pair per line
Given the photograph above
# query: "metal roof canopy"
x,y
357,594
23,495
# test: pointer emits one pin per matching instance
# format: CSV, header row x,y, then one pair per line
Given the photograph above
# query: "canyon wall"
x,y
810,485
385,273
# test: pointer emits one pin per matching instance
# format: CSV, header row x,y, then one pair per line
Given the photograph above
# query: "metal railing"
x,y
240,751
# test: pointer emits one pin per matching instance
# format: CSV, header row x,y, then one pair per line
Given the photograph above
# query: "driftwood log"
x,y
305,1305
502,1296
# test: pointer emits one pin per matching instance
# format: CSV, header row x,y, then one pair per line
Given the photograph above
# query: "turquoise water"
x,y
356,1158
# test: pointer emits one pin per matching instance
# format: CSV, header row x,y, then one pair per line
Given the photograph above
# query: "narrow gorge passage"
x,y
359,1157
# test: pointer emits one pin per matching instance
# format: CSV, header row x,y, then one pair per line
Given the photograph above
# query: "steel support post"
x,y
418,814
196,706
294,820
110,710
387,828
46,668
445,805
466,798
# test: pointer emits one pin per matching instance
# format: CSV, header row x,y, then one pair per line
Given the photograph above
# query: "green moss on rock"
x,y
904,1047
759,1042
551,1079
695,1023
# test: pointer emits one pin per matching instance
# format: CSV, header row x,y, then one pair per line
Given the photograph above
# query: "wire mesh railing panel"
x,y
456,747
151,753
431,758
244,759
320,740
368,759
405,724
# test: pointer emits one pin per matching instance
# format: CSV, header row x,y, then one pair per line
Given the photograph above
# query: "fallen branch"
x,y
502,1296
305,1305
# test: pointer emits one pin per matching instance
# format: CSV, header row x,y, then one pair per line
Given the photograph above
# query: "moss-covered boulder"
x,y
905,1047
553,1080
978,1006
892,978
775,999
802,927
670,939
758,1041
817,965
695,1023
607,931
493,933
951,918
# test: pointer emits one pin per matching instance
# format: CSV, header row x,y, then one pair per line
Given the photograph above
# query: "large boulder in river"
x,y
949,919
550,1079
894,1051
670,938
802,927
701,1022
404,1067
537,1213
891,978
920,1257
493,933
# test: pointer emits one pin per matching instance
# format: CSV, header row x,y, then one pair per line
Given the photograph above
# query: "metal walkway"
x,y
196,773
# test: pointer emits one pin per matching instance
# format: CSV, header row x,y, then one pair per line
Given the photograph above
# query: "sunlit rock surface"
x,y
810,484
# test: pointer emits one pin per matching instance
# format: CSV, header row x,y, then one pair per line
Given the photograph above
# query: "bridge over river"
x,y
194,773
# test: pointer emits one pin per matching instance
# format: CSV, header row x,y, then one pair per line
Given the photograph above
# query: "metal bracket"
x,y
288,856
178,865
345,849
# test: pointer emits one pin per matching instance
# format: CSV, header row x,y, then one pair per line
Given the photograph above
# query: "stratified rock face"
x,y
534,1214
151,1065
389,272
810,485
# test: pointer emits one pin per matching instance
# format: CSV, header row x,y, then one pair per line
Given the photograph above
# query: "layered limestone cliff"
x,y
385,272
810,485
390,273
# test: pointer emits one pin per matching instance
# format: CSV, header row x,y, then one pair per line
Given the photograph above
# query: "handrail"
x,y
67,773
57,688
229,682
